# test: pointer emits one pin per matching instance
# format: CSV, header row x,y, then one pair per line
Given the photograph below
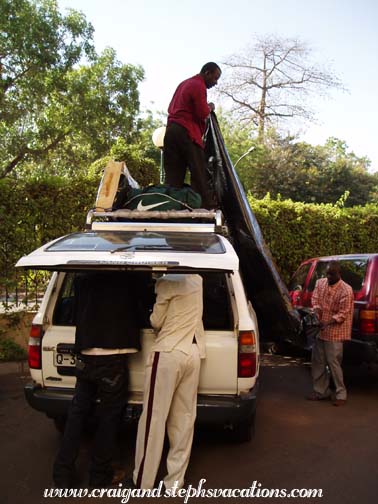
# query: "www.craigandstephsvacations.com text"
x,y
256,490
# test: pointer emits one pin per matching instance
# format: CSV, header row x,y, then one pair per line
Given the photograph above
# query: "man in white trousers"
x,y
171,380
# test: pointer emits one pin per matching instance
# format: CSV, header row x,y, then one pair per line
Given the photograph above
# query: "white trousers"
x,y
170,400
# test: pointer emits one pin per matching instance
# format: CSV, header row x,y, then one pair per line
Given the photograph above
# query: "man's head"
x,y
210,73
333,272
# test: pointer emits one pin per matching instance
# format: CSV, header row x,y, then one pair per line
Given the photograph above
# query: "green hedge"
x,y
35,211
297,231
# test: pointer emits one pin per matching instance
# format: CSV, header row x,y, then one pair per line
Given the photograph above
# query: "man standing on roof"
x,y
183,144
332,301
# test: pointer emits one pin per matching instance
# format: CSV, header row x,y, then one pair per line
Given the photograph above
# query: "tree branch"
x,y
25,151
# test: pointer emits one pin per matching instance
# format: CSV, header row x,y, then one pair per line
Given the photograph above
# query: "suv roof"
x,y
340,257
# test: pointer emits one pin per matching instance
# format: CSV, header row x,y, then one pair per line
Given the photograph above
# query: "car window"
x,y
63,312
352,272
124,241
216,301
299,277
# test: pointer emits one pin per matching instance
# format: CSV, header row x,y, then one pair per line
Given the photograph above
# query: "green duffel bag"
x,y
162,197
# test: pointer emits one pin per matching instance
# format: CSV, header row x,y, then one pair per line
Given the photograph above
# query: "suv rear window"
x,y
217,313
352,272
114,241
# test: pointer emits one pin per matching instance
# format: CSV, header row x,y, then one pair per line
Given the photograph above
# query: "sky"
x,y
172,39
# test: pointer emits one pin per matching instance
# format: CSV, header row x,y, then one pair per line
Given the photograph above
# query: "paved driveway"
x,y
298,444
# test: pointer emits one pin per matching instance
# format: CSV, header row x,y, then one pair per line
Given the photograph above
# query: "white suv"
x,y
146,243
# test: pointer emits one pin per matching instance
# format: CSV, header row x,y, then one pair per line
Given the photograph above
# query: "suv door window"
x,y
216,302
299,277
63,313
352,272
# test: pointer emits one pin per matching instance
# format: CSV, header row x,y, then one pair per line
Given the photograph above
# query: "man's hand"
x,y
323,325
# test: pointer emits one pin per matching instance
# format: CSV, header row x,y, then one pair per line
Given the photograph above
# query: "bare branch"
x,y
270,81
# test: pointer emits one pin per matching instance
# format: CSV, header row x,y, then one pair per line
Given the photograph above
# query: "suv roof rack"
x,y
198,220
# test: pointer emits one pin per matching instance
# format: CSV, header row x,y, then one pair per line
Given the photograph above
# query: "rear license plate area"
x,y
64,356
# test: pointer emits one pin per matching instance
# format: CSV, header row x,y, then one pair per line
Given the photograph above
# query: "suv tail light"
x,y
247,354
34,351
368,321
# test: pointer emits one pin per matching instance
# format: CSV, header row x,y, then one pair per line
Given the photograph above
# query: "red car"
x,y
361,272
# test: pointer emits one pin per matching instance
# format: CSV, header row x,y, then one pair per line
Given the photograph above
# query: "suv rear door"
x,y
218,370
206,253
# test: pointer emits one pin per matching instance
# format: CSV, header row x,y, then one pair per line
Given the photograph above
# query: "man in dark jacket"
x,y
183,144
107,330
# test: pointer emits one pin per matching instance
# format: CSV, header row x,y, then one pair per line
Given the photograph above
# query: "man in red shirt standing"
x,y
332,301
183,144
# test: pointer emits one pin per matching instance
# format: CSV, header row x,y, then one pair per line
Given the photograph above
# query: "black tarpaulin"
x,y
277,319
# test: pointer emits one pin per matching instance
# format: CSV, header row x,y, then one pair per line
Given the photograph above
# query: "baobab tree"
x,y
271,81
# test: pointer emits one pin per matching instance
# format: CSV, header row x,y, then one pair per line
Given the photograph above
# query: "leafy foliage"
x,y
10,350
33,212
36,211
319,174
286,168
296,231
56,116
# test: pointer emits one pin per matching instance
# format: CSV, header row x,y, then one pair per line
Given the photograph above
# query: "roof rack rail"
x,y
197,220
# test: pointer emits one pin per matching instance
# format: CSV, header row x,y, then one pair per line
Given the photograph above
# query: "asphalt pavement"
x,y
298,444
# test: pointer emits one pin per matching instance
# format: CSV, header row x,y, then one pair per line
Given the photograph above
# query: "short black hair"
x,y
335,265
210,67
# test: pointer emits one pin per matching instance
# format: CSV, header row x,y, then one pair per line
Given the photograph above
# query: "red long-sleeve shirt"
x,y
189,107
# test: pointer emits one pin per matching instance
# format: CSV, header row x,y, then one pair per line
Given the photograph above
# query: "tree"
x,y
99,105
270,81
37,47
312,174
140,154
55,113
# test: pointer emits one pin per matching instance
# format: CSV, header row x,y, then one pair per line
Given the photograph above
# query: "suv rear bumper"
x,y
359,350
211,409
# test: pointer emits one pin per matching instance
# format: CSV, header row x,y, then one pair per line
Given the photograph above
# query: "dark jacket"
x,y
106,311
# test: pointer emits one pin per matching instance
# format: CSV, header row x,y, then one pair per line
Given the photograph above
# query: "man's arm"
x,y
315,299
345,307
160,308
201,107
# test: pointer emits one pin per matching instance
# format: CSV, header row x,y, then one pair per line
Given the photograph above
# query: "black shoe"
x,y
66,480
129,483
66,483
118,476
316,397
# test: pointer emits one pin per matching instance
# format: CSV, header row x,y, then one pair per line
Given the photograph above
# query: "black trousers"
x,y
181,153
102,378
